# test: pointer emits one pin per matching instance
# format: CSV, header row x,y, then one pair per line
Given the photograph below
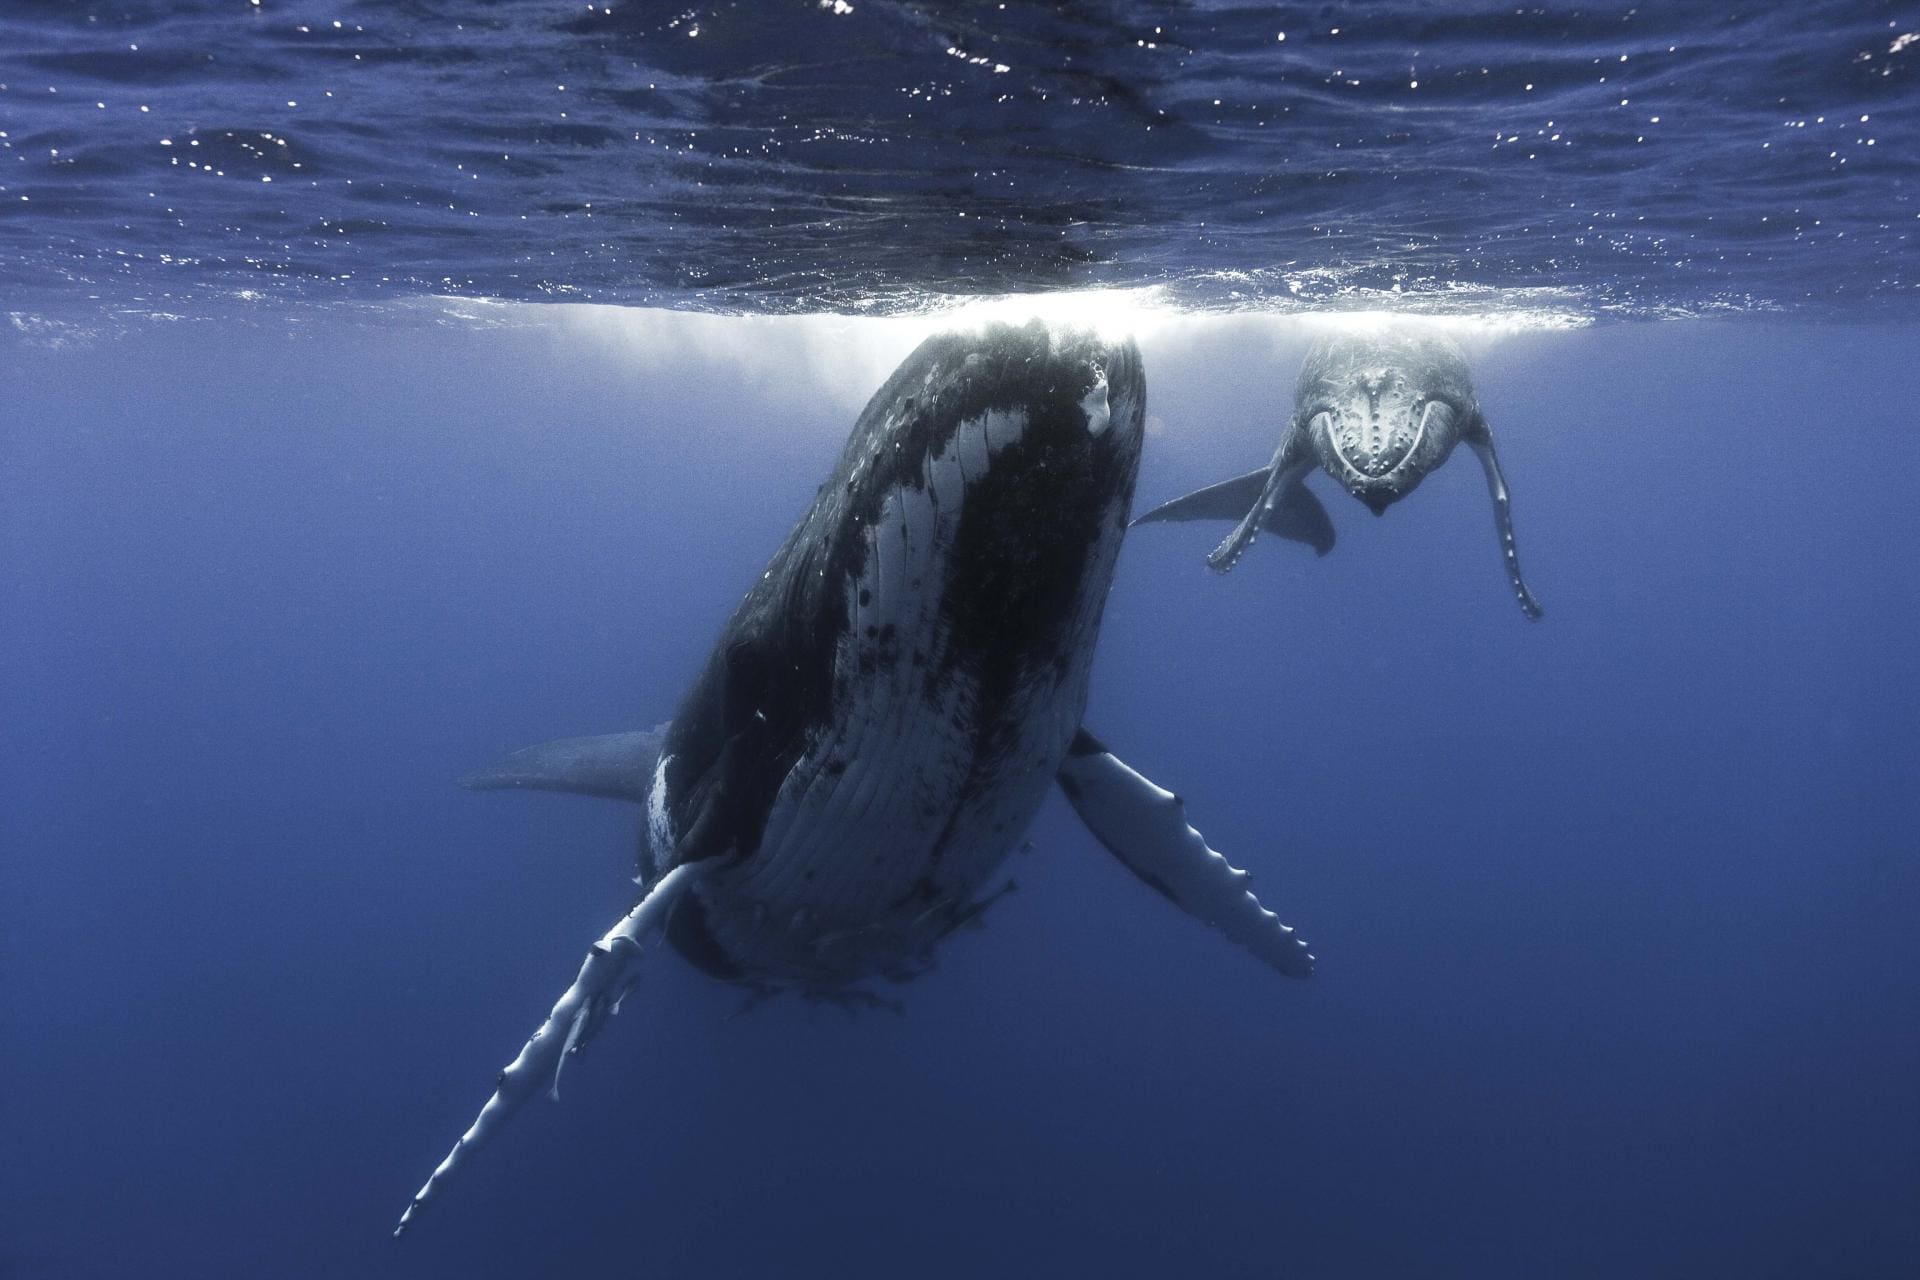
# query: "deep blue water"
x,y
1615,912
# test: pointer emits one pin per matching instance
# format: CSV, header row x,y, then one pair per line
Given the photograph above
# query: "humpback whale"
x,y
1378,411
881,718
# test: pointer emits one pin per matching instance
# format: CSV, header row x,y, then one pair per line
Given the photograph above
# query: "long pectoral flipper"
x,y
609,972
1145,827
1228,500
1480,439
618,766
1296,516
1291,462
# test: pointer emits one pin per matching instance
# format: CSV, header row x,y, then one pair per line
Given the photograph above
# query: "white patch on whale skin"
x,y
969,447
1003,429
976,440
948,484
659,821
1094,405
845,882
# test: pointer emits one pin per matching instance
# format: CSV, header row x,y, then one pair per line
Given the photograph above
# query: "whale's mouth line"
x,y
1359,479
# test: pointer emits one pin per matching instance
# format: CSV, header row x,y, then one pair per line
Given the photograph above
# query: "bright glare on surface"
x,y
1109,312
842,358
1484,325
1148,312
1144,314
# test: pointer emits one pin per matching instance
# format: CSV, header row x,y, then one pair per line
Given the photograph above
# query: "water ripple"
x,y
868,154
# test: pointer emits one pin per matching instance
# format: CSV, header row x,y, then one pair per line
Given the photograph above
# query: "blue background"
x,y
1615,913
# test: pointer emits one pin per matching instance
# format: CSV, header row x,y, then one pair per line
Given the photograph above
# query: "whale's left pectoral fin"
x,y
1296,514
1228,500
618,766
1145,826
1292,459
611,969
1479,438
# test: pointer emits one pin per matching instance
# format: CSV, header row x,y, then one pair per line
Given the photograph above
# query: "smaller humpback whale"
x,y
1378,411
881,719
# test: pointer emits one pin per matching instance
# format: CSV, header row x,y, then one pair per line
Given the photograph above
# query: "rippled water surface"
x,y
1639,160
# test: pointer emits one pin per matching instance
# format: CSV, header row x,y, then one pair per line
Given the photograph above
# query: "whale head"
x,y
1383,409
894,692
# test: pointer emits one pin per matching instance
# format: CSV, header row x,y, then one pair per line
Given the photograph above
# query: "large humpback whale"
x,y
885,711
1378,410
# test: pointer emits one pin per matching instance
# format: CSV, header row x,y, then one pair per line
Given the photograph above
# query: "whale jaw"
x,y
1382,435
1378,499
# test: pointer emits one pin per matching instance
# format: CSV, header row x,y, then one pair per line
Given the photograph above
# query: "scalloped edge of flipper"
x,y
1285,474
606,975
1479,438
1145,826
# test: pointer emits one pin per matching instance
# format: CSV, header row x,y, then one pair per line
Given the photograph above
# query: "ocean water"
x,y
468,429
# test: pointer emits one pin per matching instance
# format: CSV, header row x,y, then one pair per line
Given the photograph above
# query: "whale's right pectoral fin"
x,y
1297,514
1282,479
1479,438
618,766
1291,462
611,969
1145,826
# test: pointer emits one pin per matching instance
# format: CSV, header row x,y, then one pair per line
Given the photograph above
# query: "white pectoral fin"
x,y
608,973
1145,826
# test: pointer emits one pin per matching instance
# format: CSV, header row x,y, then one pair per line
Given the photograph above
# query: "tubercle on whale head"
x,y
1085,381
1382,434
1102,369
1119,392
1109,361
1383,407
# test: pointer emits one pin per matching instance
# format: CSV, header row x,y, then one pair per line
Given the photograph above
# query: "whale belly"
x,y
954,700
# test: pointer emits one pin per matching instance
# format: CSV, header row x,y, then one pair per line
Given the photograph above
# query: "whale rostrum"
x,y
884,713
1377,410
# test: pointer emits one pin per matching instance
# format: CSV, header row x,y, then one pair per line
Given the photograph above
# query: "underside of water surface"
x,y
889,155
